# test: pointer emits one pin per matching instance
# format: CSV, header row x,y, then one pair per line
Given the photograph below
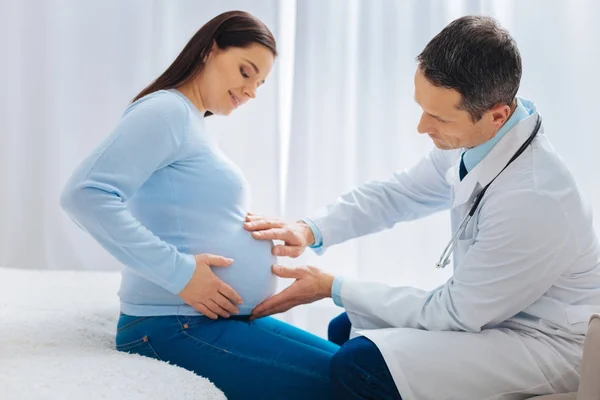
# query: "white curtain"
x,y
69,68
337,110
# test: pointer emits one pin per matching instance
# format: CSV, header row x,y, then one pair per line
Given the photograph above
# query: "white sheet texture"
x,y
57,342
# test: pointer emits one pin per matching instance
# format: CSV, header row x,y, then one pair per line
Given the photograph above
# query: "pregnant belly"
x,y
250,274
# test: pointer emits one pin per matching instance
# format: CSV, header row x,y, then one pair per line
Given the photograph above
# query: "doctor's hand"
x,y
311,285
208,294
296,236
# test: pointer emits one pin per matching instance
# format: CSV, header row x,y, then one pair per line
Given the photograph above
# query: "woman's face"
x,y
231,77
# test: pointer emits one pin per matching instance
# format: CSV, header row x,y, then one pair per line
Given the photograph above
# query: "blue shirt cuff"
x,y
316,233
336,291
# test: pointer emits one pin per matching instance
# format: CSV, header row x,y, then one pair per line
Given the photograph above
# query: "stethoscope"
x,y
445,258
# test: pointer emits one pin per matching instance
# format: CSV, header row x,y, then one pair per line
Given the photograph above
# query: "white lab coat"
x,y
509,323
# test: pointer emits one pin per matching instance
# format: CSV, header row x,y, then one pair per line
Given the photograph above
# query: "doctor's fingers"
x,y
287,251
286,297
275,309
289,236
263,224
251,217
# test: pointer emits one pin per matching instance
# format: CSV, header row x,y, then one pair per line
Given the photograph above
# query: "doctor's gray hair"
x,y
478,58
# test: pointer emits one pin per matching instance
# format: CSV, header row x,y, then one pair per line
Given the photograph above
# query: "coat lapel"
x,y
492,164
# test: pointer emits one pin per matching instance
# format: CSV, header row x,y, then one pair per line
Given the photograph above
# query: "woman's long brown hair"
x,y
230,29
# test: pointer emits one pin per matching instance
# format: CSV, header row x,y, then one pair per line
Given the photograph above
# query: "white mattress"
x,y
57,342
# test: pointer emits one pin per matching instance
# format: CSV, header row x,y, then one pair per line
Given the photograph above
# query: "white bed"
x,y
57,342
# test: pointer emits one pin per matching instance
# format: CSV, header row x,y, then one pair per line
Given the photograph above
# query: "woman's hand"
x,y
208,294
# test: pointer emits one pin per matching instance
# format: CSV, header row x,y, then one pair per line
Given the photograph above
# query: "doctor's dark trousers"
x,y
358,370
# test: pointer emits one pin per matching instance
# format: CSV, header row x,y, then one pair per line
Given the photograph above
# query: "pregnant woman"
x,y
160,196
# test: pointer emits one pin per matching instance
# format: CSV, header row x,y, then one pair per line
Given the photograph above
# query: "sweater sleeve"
x,y
150,136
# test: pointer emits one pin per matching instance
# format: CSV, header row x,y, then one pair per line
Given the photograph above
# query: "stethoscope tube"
x,y
445,257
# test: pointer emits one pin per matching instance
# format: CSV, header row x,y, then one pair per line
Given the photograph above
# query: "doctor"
x,y
510,322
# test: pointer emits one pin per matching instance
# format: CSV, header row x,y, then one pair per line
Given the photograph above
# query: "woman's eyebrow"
x,y
253,65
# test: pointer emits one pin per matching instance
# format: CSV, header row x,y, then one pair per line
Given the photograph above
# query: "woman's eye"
x,y
244,74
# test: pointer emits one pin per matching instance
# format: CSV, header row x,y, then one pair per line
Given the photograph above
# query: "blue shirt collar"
x,y
474,155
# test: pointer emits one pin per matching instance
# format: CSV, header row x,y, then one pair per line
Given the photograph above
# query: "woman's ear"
x,y
213,50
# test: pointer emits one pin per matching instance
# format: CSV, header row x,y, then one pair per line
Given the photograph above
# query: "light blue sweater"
x,y
156,192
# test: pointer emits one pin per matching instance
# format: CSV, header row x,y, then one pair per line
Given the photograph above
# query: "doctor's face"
x,y
446,124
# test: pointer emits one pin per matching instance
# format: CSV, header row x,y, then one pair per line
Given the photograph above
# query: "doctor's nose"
x,y
424,125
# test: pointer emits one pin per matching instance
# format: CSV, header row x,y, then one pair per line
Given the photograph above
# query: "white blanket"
x,y
57,342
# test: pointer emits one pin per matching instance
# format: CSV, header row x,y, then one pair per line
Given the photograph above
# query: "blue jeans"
x,y
358,370
263,359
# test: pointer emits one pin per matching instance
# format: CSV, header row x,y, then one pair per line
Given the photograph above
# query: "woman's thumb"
x,y
217,261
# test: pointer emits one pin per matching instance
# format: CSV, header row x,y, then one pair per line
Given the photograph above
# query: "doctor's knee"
x,y
338,331
357,368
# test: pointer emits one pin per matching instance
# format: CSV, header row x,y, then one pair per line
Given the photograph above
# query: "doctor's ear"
x,y
499,114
